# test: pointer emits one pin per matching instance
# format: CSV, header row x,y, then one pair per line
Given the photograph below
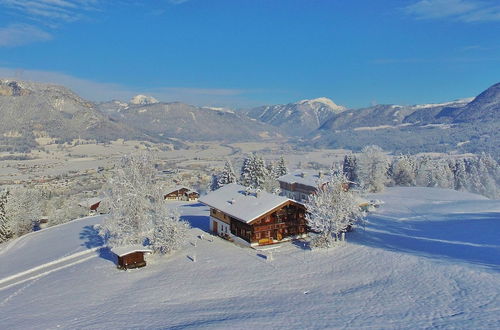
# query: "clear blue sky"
x,y
242,53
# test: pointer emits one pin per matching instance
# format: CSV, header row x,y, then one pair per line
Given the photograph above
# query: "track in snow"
x,y
46,269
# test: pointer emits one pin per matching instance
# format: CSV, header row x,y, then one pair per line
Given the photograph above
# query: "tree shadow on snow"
x,y
94,240
197,221
466,237
301,244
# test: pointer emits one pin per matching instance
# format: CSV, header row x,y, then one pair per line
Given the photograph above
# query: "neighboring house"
x,y
181,193
253,217
91,204
299,184
131,256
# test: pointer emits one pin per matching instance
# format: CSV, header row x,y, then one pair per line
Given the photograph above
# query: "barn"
x,y
254,217
131,256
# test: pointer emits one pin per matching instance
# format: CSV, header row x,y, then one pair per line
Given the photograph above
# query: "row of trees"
x,y
24,207
372,169
254,174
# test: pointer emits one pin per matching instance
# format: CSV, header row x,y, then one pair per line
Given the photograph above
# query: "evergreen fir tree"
x,y
253,172
227,175
460,175
214,183
350,168
280,168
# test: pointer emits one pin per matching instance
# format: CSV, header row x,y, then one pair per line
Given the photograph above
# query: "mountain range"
x,y
30,110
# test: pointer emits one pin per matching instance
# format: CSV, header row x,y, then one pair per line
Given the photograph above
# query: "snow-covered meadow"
x,y
427,258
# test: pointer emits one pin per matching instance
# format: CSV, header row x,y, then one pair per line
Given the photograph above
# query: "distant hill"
x,y
468,125
485,107
299,118
187,122
30,110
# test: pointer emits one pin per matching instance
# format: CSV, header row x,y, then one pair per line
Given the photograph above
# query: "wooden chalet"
x,y
181,193
130,256
254,218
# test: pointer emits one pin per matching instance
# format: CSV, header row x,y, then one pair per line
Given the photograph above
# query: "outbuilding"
x,y
131,256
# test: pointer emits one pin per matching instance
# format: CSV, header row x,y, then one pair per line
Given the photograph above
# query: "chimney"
x,y
232,201
320,174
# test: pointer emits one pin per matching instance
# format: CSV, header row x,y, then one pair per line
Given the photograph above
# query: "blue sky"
x,y
242,53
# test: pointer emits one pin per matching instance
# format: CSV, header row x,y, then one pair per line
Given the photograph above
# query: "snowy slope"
x,y
428,258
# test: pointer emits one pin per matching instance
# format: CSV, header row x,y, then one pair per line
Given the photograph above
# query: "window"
x,y
257,235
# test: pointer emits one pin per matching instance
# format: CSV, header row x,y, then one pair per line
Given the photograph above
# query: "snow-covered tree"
x,y
130,197
403,171
350,168
460,174
253,172
137,208
24,208
169,232
227,175
214,183
280,168
489,173
373,165
5,230
332,210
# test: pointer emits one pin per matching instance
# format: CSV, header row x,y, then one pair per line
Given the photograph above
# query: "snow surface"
x,y
427,258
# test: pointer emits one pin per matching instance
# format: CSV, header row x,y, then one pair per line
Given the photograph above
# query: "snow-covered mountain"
x,y
299,118
428,258
187,122
29,110
466,125
485,107
143,100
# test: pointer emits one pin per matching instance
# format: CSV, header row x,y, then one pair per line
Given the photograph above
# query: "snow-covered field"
x,y
427,258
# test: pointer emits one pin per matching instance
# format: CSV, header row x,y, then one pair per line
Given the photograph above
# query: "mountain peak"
x,y
143,100
323,101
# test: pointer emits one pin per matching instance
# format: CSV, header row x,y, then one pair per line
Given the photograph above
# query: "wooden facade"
x,y
132,260
284,222
182,194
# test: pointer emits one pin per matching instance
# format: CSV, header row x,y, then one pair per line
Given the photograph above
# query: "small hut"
x,y
131,256
91,204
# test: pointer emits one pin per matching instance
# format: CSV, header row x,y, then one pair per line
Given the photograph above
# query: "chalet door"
x,y
279,236
215,227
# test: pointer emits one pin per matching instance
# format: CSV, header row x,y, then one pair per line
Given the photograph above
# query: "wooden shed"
x,y
131,256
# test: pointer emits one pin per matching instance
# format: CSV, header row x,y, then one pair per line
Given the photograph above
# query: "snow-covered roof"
x,y
234,200
127,249
90,201
308,178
